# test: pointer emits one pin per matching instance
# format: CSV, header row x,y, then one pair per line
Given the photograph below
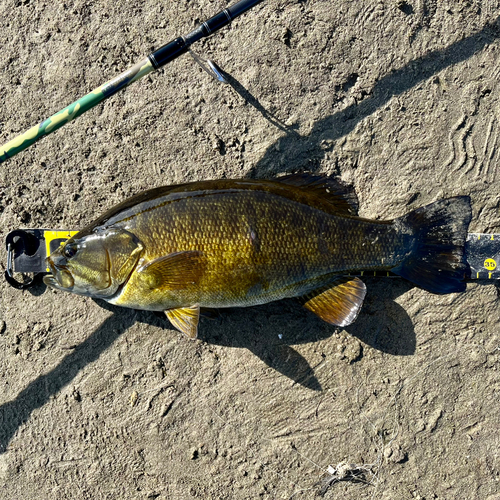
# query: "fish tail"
x,y
437,261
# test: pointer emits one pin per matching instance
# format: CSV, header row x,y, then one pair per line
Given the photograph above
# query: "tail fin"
x,y
437,262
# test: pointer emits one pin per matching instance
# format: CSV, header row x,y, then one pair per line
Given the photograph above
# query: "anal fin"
x,y
340,303
185,319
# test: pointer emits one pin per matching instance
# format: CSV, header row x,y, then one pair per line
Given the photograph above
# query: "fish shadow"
x,y
383,324
267,331
270,331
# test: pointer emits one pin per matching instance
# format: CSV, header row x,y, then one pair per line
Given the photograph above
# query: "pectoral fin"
x,y
185,319
174,271
340,304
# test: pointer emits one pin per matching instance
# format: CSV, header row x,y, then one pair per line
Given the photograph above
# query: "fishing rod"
x,y
153,61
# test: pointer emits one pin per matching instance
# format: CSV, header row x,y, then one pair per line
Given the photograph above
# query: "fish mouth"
x,y
60,278
50,281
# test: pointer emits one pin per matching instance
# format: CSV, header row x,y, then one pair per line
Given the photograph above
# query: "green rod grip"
x,y
75,109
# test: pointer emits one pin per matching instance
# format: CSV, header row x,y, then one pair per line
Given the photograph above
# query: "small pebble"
x,y
133,398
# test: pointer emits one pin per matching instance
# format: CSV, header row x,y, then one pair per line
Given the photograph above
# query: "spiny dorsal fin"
x,y
310,189
174,271
339,196
340,304
185,319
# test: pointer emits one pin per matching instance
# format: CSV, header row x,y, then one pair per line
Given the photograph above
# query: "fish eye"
x,y
69,251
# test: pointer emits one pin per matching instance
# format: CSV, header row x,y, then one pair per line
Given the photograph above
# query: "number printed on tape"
x,y
490,264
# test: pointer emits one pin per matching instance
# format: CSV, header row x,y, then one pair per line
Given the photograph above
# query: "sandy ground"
x,y
399,98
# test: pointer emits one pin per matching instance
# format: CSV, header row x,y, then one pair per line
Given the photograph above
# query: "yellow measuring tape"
x,y
54,239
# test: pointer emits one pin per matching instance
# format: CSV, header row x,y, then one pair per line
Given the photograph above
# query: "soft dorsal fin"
x,y
174,271
340,197
185,319
339,304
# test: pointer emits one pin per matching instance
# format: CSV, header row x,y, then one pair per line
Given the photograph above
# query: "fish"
x,y
245,242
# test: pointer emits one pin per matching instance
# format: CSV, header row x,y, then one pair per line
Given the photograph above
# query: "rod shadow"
x,y
299,151
254,102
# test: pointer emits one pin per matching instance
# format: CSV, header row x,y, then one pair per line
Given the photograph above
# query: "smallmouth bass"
x,y
234,243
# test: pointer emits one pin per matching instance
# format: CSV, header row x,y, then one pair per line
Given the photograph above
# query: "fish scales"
x,y
257,245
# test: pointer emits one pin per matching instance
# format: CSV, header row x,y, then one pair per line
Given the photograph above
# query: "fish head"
x,y
96,264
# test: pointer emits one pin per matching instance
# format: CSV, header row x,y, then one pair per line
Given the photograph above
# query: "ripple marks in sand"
x,y
463,156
